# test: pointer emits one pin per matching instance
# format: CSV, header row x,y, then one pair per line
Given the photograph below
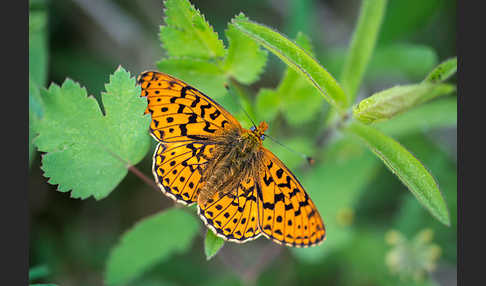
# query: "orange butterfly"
x,y
242,190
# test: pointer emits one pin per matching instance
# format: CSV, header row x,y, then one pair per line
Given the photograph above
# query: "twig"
x,y
144,178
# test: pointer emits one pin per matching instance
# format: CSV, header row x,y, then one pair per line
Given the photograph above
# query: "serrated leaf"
x,y
406,167
362,45
187,34
212,244
203,75
88,152
152,240
295,57
443,71
245,59
385,104
436,114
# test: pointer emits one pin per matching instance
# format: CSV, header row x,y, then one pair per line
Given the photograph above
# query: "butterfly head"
x,y
259,131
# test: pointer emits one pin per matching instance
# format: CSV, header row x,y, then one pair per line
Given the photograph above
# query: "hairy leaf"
x,y
390,102
443,71
436,114
406,167
295,57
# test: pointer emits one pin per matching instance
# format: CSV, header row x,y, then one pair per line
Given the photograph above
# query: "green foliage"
x,y
37,272
396,100
296,58
89,146
362,45
245,60
441,113
443,71
187,34
149,242
197,55
212,244
295,98
88,152
385,104
402,60
335,195
38,55
406,167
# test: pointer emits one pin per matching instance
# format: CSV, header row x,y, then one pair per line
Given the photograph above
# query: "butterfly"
x,y
205,156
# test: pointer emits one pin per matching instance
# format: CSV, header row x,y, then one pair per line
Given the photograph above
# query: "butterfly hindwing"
x,y
178,169
179,111
233,216
286,213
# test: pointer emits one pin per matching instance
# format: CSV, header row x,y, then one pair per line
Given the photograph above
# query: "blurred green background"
x,y
381,235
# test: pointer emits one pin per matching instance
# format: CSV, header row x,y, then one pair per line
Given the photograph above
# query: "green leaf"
x,y
245,59
203,75
43,284
187,34
443,71
152,240
295,57
362,45
38,54
436,114
406,167
88,152
398,99
212,244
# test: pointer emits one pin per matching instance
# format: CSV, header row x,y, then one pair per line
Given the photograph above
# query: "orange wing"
x,y
233,217
286,213
183,120
179,111
178,169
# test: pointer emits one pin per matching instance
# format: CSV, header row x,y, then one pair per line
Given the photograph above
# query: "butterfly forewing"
x,y
179,111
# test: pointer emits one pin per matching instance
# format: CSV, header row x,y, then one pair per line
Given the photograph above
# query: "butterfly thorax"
x,y
237,154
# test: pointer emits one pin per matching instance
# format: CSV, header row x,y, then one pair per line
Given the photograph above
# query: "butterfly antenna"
x,y
307,158
230,91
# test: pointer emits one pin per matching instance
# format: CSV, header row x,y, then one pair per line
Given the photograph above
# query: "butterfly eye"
x,y
262,137
252,128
